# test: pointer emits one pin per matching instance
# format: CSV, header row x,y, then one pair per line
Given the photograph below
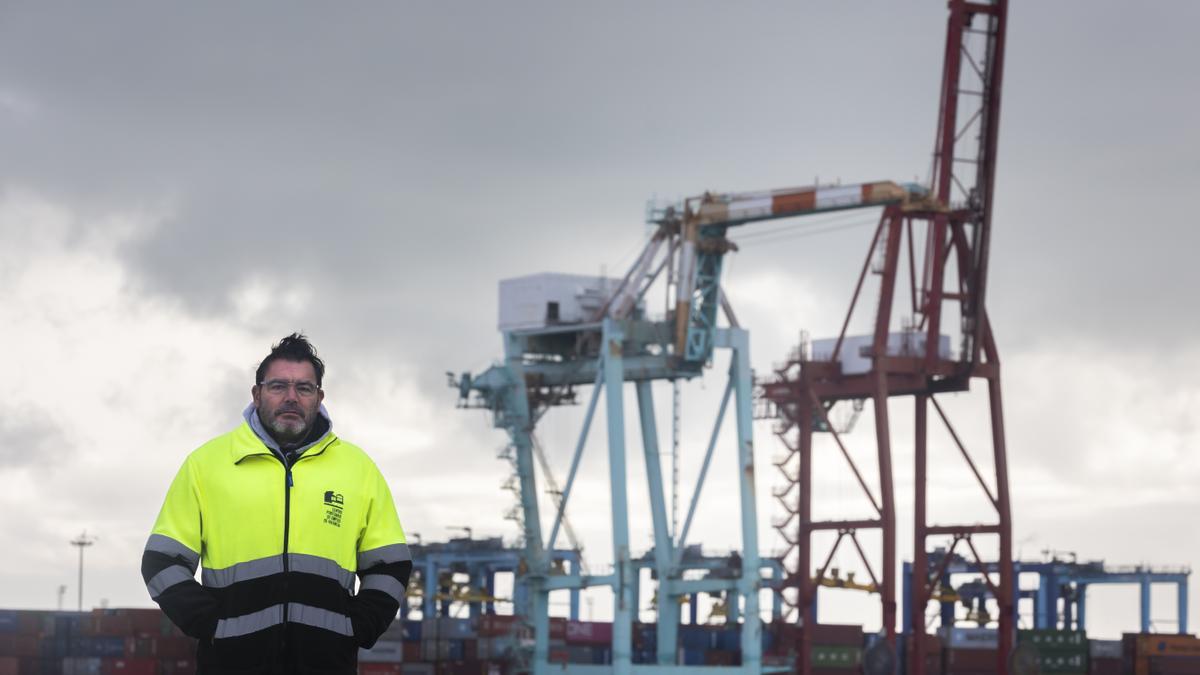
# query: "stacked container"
x,y
588,642
933,653
968,651
1153,654
1104,657
448,639
102,642
835,649
1062,652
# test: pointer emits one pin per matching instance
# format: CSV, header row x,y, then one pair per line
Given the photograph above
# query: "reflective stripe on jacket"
x,y
279,548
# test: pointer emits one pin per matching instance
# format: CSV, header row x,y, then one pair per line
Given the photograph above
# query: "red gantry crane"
x,y
944,241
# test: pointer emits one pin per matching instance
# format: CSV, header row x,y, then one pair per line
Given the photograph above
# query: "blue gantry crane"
x,y
1060,579
564,332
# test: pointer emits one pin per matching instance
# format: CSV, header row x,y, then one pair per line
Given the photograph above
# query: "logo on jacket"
x,y
334,503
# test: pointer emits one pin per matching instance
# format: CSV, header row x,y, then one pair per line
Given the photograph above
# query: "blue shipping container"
x,y
8,621
96,646
697,638
693,657
601,654
67,624
729,640
412,631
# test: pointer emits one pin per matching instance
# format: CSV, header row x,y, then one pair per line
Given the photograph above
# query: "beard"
x,y
288,430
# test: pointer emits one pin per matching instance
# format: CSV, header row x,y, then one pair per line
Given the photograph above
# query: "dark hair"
x,y
294,347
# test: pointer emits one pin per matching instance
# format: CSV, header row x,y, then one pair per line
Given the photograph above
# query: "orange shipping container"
x,y
1168,645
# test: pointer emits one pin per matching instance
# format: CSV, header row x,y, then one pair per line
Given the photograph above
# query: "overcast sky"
x,y
183,185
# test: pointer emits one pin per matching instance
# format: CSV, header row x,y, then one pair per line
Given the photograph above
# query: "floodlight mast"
x,y
82,542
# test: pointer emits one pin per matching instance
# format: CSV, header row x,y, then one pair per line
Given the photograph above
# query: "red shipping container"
x,y
178,666
10,665
1104,666
146,621
17,644
491,625
139,646
588,633
1174,665
558,656
960,660
837,635
129,666
716,657
378,669
31,622
170,647
412,651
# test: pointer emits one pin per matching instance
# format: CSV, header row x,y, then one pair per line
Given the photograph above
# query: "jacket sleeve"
x,y
384,565
171,557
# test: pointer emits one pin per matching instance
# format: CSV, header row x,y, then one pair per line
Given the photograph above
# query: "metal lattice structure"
x,y
945,241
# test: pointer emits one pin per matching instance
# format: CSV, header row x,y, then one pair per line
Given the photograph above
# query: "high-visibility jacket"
x,y
279,548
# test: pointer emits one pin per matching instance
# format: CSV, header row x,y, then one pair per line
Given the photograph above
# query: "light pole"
x,y
82,541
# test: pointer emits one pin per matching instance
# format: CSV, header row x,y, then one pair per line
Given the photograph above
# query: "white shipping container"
x,y
855,352
969,638
384,651
548,299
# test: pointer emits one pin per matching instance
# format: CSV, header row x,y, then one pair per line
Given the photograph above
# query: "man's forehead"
x,y
283,369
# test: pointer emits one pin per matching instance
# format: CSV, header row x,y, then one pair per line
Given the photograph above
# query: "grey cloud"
x,y
31,439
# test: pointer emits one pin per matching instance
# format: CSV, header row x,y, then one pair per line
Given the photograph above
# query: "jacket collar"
x,y
245,443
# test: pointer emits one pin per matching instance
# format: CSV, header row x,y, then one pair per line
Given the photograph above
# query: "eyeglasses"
x,y
280,387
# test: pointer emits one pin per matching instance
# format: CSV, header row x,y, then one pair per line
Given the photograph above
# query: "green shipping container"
x,y
824,656
1055,640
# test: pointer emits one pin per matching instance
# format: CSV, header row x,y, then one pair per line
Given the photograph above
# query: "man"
x,y
281,514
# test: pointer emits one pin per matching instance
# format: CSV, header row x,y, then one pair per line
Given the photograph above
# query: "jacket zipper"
x,y
287,521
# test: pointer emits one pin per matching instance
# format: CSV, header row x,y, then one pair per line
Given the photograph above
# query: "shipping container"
x,y
446,628
378,668
384,651
129,667
499,624
722,657
177,666
172,647
1173,665
18,644
81,665
836,656
588,632
957,638
1053,640
959,660
1104,649
1104,665
1063,663
97,645
697,638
